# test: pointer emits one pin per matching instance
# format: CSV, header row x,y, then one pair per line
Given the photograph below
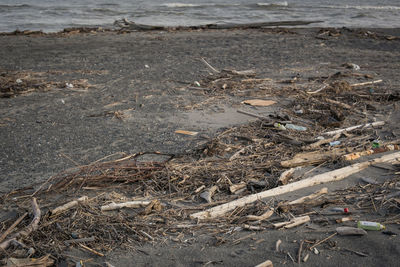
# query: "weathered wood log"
x,y
309,197
129,204
311,158
331,176
293,222
267,263
367,125
262,217
69,205
29,229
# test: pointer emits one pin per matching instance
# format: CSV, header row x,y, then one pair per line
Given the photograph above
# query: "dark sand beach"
x,y
97,94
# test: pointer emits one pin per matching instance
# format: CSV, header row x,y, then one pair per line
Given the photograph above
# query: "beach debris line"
x,y
14,83
228,184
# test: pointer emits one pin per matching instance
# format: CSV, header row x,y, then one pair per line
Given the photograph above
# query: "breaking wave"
x,y
283,4
180,5
365,7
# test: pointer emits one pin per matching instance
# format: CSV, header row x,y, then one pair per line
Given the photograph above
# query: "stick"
x,y
92,250
266,263
262,217
367,125
344,105
300,250
252,115
72,241
69,205
30,228
365,83
285,176
309,197
322,142
208,65
130,204
256,80
334,175
310,158
293,222
11,228
356,155
322,241
297,221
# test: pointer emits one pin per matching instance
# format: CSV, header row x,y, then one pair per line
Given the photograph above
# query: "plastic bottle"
x,y
279,126
295,127
344,210
334,143
374,226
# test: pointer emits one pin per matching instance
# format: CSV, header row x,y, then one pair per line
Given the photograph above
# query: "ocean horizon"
x,y
55,15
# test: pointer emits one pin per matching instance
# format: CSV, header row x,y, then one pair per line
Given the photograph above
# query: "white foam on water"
x,y
284,3
180,5
364,7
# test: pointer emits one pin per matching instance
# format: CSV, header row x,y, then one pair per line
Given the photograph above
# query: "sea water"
x,y
55,15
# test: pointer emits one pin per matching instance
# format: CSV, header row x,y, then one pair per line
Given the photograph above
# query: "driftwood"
x,y
331,176
209,66
309,197
310,158
29,229
207,194
11,228
267,263
129,204
367,125
286,175
262,217
365,83
69,205
322,241
322,142
126,25
385,148
293,222
236,187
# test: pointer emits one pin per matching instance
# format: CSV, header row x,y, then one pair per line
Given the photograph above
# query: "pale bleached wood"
x,y
331,176
130,204
365,83
69,205
309,197
367,125
267,263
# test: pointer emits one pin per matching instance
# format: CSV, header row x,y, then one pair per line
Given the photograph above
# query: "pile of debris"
x,y
13,83
219,188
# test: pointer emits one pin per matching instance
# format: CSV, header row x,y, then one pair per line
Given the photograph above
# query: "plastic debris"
x,y
18,81
197,83
334,143
342,210
295,127
373,226
146,66
279,126
69,85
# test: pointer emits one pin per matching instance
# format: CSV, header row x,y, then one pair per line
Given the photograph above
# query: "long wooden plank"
x,y
331,176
